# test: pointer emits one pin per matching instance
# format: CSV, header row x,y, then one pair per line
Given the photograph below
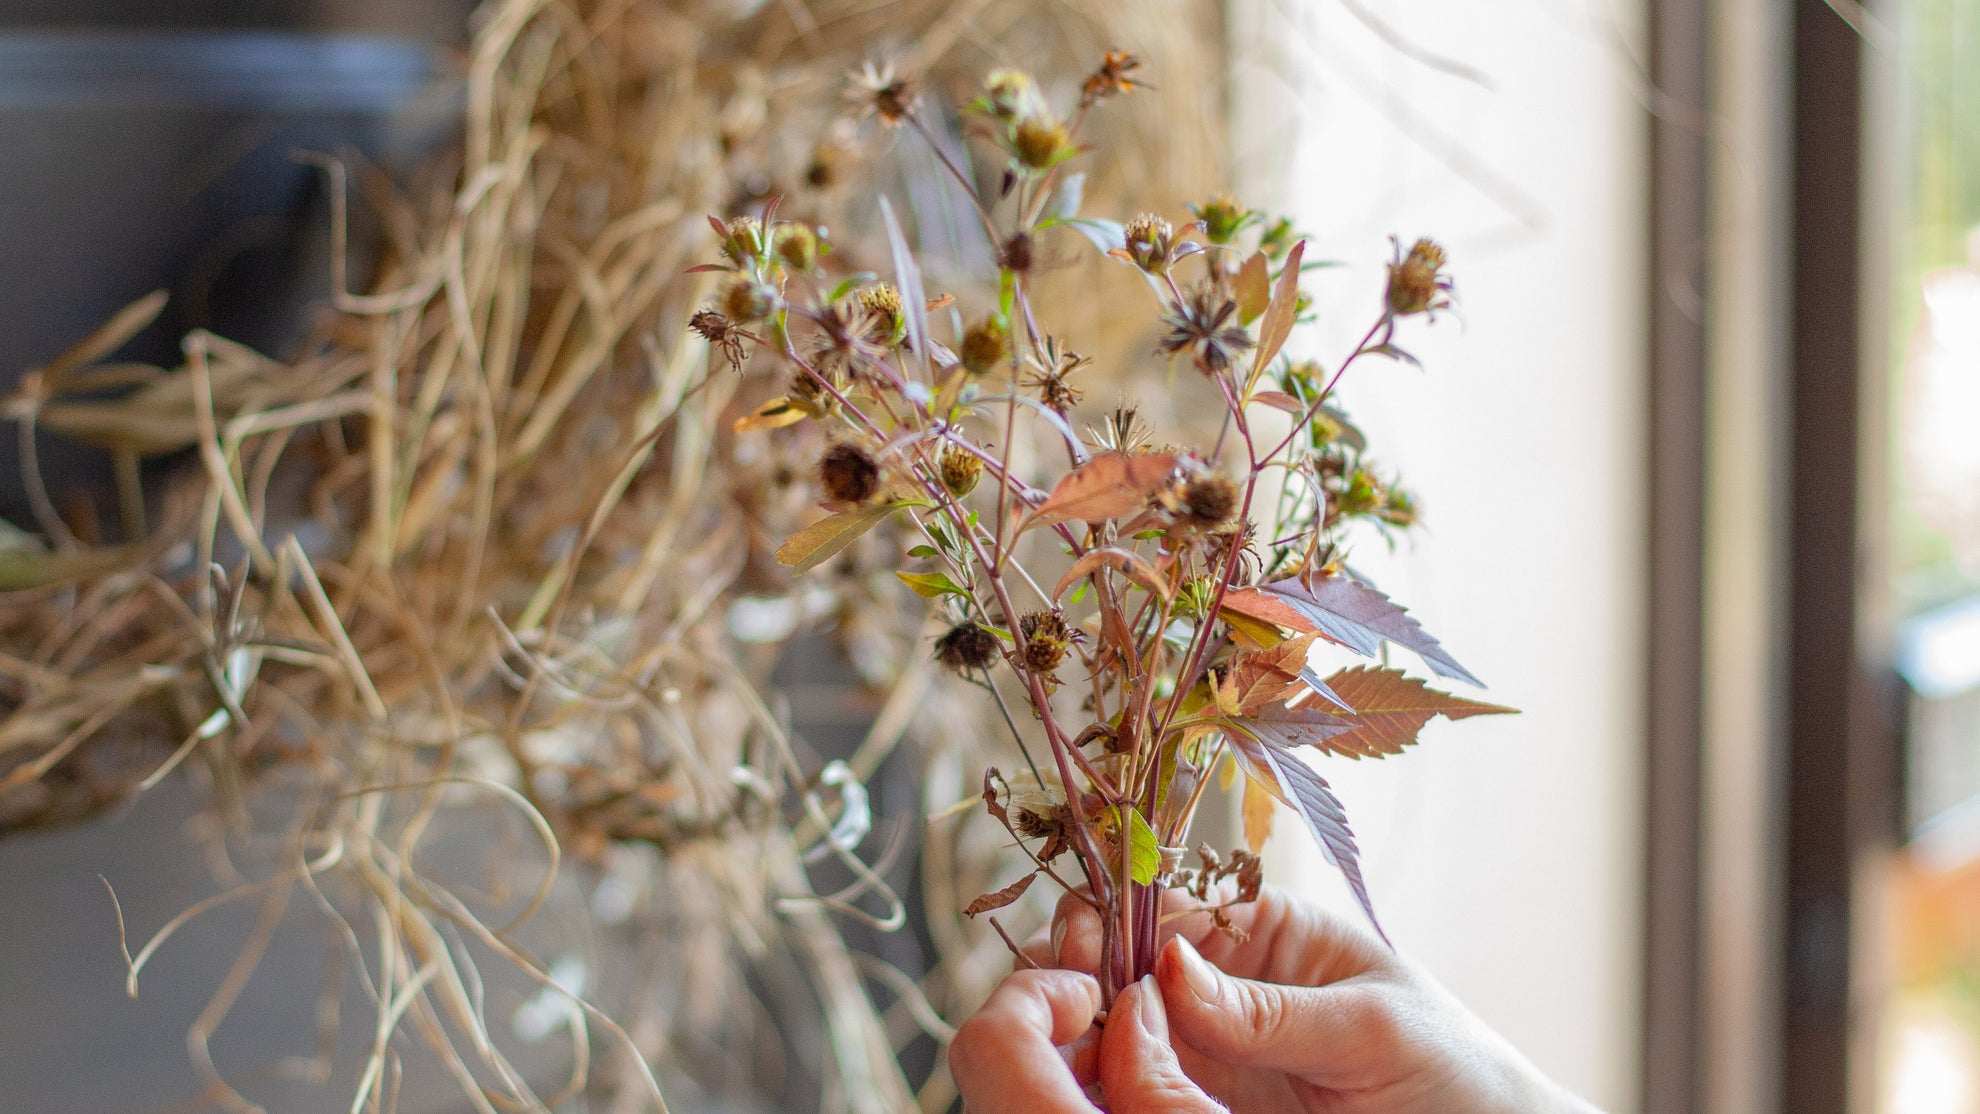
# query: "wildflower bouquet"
x,y
1152,610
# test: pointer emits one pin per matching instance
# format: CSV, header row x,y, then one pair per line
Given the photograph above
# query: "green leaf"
x,y
930,585
1144,855
924,551
822,540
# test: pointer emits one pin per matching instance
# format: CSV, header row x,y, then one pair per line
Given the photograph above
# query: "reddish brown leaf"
x,y
1000,898
1344,610
1259,811
1278,321
1389,709
1132,566
1263,607
1254,680
1109,485
1279,400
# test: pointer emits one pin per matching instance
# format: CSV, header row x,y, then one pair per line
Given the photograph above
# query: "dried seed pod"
x,y
848,474
1045,640
748,300
1017,255
985,346
1206,499
967,645
959,469
1415,281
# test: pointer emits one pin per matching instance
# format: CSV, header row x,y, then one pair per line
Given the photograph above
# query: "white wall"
x,y
1504,853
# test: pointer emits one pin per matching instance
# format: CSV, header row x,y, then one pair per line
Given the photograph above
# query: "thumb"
x,y
1139,1072
1294,1029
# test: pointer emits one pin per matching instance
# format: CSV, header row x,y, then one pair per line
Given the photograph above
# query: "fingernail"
x,y
1197,972
1154,1016
1058,937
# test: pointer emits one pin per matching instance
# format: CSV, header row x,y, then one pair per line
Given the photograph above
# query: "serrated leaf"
x,y
1286,726
1292,781
822,540
1144,853
1390,707
1132,565
1344,610
1260,609
1109,485
930,585
1276,325
1000,898
1254,680
1253,288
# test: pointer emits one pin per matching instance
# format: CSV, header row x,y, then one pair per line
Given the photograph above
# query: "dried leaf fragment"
x,y
1108,486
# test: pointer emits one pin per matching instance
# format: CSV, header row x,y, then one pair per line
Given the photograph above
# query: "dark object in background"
x,y
164,159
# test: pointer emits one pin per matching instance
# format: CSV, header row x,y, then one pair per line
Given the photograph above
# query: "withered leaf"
x,y
1253,288
822,540
1259,810
1132,565
1280,400
1278,321
1344,610
1249,609
775,414
1254,680
1390,708
1109,485
1285,777
1000,898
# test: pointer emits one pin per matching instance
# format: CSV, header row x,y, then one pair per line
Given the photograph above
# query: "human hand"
x,y
1307,1013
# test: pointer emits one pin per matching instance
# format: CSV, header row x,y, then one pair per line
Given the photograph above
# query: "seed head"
x,y
1050,379
985,346
959,468
1223,218
1398,509
879,92
748,300
1111,78
742,240
1150,240
1045,640
1199,325
967,645
1416,281
1011,95
798,246
722,335
1206,499
1041,143
1017,255
883,303
848,474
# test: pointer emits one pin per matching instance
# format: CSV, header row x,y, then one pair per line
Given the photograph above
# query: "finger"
x,y
1076,937
1138,1067
1313,1032
1278,939
1005,1060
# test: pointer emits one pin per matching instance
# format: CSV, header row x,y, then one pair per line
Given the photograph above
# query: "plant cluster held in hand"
x,y
1143,614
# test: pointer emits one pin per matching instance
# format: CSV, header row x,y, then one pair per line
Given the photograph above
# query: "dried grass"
x,y
483,538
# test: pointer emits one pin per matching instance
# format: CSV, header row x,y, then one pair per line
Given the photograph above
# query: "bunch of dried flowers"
x,y
1143,616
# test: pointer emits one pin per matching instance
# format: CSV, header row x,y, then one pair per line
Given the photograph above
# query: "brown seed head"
x,y
1041,143
1150,239
880,92
1206,499
1416,283
1111,78
1017,256
748,300
959,468
848,474
985,346
1045,640
1201,325
967,645
797,246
